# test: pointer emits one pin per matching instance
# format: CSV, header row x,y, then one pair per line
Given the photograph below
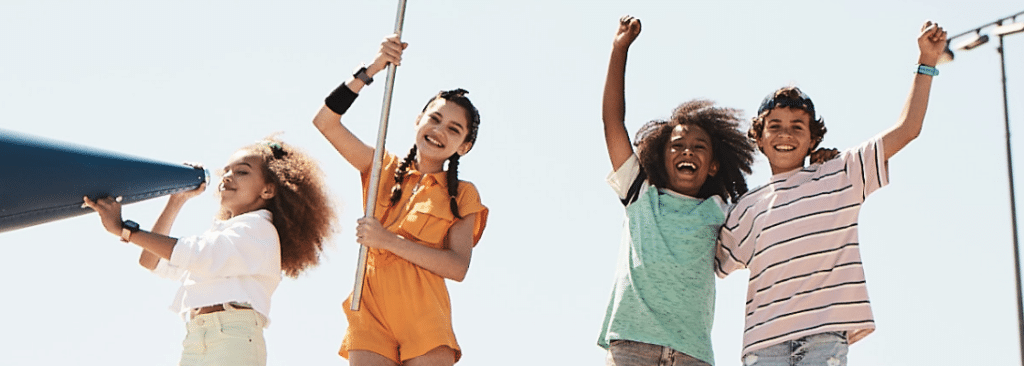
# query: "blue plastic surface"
x,y
44,180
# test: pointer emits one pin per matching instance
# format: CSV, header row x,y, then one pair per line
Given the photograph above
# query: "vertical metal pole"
x,y
1013,203
378,158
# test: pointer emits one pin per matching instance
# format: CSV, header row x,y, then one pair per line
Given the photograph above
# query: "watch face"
x,y
131,225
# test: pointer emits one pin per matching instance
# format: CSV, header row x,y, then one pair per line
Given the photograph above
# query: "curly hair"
x,y
729,147
457,96
791,97
303,213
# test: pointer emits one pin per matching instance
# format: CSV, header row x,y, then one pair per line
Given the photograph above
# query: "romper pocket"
x,y
428,226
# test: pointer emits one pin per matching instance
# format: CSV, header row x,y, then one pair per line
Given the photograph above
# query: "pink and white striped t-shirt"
x,y
798,237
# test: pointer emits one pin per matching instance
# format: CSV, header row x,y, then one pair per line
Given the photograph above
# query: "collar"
x,y
786,175
439,178
261,213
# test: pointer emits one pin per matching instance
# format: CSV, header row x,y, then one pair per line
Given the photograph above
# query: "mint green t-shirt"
x,y
664,290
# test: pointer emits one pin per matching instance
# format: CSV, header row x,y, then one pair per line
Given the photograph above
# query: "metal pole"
x,y
378,158
1013,203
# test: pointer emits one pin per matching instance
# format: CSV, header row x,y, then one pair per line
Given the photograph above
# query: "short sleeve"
x,y
469,203
732,252
726,260
865,166
629,181
388,168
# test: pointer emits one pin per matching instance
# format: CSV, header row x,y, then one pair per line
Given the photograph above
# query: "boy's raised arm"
x,y
613,106
931,42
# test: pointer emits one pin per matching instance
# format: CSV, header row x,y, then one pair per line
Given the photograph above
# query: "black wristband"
x,y
340,99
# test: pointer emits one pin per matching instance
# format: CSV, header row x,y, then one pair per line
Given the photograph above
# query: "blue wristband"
x,y
927,70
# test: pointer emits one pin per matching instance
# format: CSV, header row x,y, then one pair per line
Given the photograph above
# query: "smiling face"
x,y
440,132
243,188
786,139
689,160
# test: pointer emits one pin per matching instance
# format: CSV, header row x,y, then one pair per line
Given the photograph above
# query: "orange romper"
x,y
405,310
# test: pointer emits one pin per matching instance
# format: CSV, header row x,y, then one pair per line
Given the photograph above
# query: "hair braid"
x,y
453,184
396,191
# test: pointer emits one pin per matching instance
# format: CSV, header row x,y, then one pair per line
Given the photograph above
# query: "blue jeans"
x,y
822,349
628,353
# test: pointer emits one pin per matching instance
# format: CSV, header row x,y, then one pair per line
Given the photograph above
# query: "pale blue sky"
x,y
194,80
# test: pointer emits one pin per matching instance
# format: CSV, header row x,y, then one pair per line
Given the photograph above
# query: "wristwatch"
x,y
128,227
362,75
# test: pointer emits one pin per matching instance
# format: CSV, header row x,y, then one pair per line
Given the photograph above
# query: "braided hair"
x,y
457,96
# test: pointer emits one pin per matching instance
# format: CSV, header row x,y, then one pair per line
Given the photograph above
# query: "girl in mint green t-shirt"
x,y
674,188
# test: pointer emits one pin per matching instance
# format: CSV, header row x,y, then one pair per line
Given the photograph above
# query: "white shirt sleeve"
x,y
622,179
168,271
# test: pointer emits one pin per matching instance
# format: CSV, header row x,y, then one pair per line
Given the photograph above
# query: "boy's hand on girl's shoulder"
x,y
932,42
823,154
629,29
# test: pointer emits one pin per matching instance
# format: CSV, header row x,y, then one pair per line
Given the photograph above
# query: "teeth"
x,y
686,164
785,148
435,142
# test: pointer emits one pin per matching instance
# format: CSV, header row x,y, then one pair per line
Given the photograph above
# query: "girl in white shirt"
x,y
275,216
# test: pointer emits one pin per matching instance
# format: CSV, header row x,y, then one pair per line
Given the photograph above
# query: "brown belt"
x,y
216,308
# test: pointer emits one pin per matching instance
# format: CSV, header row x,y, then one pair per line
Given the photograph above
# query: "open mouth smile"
x,y
686,167
433,141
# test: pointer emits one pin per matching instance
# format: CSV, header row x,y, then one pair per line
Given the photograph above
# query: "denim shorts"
x,y
822,349
629,353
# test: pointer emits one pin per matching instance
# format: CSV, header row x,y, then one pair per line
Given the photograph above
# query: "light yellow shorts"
x,y
229,337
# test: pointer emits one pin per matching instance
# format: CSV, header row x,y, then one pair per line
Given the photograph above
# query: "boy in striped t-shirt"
x,y
806,297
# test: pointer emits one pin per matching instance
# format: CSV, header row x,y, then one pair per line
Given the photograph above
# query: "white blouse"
x,y
238,259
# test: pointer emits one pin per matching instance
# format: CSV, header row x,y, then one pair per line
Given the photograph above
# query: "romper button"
x,y
750,360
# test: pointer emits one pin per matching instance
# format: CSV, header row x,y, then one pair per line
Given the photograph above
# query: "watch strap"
x,y
362,75
128,227
927,70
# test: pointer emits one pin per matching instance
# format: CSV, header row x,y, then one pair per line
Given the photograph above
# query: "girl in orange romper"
x,y
426,224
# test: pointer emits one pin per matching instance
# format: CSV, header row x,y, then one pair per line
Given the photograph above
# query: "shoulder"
x,y
749,201
719,203
253,217
257,223
753,195
467,186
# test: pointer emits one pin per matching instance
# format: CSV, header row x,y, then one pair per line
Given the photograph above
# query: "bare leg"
x,y
440,356
368,358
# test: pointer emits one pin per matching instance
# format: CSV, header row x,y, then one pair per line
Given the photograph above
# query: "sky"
x,y
191,80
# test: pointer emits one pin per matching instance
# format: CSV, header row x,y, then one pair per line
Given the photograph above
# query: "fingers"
x,y
630,24
933,31
86,202
104,203
391,49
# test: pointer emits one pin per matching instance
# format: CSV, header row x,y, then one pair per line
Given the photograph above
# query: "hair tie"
x,y
275,148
